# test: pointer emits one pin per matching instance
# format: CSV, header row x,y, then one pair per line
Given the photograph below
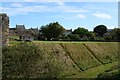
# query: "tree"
x,y
81,31
74,37
65,37
100,30
116,34
52,30
108,36
91,35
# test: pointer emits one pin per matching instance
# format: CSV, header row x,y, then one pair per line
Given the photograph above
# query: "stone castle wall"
x,y
4,27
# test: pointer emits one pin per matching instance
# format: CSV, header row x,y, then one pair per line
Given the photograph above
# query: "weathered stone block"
x,y
4,30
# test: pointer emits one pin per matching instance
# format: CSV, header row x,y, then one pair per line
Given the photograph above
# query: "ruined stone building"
x,y
23,33
20,29
4,29
12,32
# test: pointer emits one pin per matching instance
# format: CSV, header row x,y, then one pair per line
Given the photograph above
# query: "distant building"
x,y
12,32
4,26
20,26
19,30
35,31
24,34
28,35
68,32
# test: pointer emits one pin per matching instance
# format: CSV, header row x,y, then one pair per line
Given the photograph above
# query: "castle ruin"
x,y
4,30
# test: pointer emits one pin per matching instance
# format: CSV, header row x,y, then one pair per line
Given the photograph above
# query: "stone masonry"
x,y
4,27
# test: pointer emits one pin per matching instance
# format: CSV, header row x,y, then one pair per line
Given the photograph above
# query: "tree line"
x,y
55,31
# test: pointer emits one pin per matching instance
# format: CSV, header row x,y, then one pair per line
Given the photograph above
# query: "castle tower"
x,y
4,27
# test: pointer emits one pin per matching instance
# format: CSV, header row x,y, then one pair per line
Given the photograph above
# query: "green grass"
x,y
113,73
74,59
105,52
94,72
69,42
26,61
36,41
81,55
54,53
11,43
14,37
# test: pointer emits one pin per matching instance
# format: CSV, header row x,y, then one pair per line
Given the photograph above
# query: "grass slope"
x,y
59,59
94,72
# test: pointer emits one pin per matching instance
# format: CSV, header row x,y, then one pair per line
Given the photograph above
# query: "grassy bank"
x,y
59,59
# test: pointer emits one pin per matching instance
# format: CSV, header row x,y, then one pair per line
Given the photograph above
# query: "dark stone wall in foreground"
x,y
4,29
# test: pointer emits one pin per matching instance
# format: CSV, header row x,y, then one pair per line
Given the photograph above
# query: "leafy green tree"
x,y
65,37
116,34
100,30
52,30
108,36
91,35
81,31
74,37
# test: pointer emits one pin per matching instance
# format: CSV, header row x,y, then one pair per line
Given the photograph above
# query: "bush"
x,y
20,61
74,37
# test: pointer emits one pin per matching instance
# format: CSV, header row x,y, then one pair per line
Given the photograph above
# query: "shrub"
x,y
20,61
74,37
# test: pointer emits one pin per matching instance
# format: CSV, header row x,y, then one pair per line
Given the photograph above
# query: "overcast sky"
x,y
68,14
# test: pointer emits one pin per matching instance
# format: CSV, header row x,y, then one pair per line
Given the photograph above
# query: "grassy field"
x,y
59,59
